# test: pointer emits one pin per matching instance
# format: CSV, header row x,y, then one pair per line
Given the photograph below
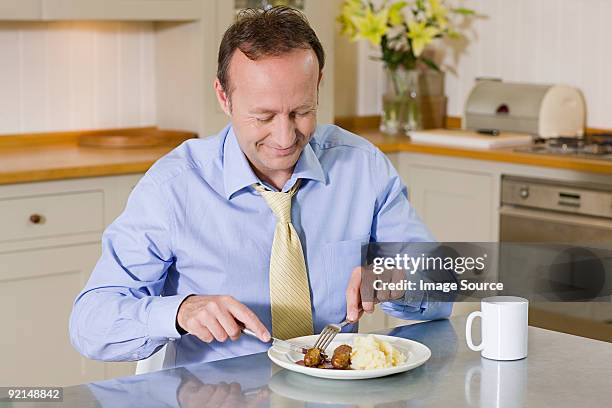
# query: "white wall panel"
x,y
32,66
528,24
82,79
488,41
591,60
58,94
10,91
58,76
106,71
129,75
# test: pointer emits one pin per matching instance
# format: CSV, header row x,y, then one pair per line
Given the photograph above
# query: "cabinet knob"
x,y
524,192
36,219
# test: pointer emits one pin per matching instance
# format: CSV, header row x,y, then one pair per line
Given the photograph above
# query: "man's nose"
x,y
284,131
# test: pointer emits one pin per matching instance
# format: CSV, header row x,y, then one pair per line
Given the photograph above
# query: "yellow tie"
x,y
289,289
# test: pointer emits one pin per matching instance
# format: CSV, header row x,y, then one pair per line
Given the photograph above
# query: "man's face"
x,y
273,107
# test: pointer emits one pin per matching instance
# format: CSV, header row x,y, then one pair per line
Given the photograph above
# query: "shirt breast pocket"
x,y
341,258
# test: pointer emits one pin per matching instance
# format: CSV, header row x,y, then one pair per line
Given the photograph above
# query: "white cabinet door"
x,y
159,10
457,206
20,9
372,322
42,271
322,17
37,288
118,195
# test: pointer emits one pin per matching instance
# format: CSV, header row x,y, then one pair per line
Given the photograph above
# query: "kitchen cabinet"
x,y
20,10
37,288
457,201
459,198
154,10
455,205
142,10
374,321
49,244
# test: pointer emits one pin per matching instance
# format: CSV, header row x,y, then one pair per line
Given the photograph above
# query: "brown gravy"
x,y
327,365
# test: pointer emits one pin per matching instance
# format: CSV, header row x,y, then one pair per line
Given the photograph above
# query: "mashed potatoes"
x,y
370,352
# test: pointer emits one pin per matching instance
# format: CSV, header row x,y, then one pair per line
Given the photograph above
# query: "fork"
x,y
328,334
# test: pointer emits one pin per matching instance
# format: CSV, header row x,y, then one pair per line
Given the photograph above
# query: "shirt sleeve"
x,y
395,220
120,314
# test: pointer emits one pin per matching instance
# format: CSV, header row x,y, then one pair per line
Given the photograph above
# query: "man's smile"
x,y
287,151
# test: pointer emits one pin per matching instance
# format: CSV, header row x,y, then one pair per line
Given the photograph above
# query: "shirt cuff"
x,y
162,316
413,299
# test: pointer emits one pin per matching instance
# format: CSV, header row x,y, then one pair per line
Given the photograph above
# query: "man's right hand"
x,y
218,318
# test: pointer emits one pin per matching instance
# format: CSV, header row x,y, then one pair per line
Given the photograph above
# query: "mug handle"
x,y
468,331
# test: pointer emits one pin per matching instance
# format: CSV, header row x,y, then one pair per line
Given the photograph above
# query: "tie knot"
x,y
279,202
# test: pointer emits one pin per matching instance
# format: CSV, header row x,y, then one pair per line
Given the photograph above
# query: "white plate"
x,y
415,352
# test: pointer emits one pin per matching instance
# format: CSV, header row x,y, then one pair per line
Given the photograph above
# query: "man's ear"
x,y
319,85
222,97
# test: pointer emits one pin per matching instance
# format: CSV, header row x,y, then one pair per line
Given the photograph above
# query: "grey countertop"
x,y
561,371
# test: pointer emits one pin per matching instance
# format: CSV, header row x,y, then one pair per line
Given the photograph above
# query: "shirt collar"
x,y
238,174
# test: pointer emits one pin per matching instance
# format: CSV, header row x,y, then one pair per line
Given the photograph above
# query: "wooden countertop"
x,y
42,157
393,144
29,158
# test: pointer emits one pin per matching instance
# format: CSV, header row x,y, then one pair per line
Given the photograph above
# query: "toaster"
x,y
541,110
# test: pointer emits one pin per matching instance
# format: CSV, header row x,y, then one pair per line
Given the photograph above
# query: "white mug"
x,y
504,328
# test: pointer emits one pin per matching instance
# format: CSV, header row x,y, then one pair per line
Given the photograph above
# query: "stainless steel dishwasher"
x,y
537,210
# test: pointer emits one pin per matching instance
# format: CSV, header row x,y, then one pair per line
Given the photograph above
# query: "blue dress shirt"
x,y
195,225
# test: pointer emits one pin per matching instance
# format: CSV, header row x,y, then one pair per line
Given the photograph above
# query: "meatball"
x,y
313,357
342,357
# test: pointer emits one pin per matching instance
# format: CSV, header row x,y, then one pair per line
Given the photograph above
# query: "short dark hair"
x,y
271,32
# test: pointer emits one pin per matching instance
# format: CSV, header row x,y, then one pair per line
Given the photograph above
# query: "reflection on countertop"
x,y
454,376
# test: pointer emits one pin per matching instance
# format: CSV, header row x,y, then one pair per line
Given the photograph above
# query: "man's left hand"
x,y
361,295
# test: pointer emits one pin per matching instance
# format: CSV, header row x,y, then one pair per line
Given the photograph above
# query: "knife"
x,y
283,344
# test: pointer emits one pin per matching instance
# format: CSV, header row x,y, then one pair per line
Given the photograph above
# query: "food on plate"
x,y
314,357
342,357
370,352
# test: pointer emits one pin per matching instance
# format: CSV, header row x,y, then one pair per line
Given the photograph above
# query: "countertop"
x,y
561,371
59,156
400,143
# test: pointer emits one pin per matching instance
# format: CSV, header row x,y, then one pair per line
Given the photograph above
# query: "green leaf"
x,y
454,35
464,11
431,64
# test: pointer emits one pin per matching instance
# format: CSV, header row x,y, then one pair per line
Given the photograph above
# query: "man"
x,y
259,226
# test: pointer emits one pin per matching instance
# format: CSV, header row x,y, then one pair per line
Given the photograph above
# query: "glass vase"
x,y
401,102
